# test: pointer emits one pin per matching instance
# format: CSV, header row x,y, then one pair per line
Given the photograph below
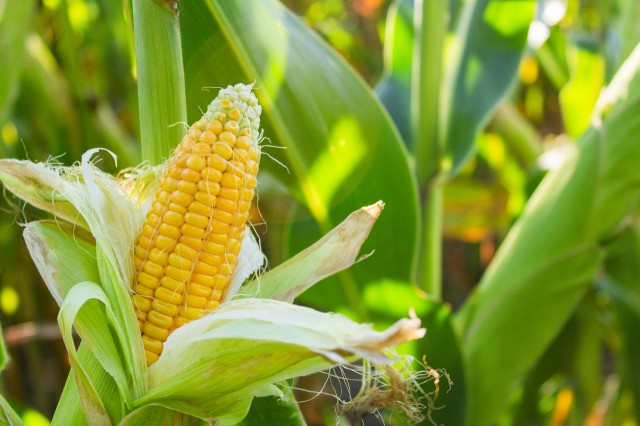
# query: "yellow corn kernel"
x,y
196,219
202,279
170,231
152,345
151,357
179,262
201,149
177,273
196,162
227,205
187,186
181,198
155,332
164,243
164,307
200,208
161,320
153,269
207,198
141,303
190,175
148,280
210,259
173,218
174,172
211,174
193,231
208,136
217,162
209,187
223,150
177,208
172,284
199,290
203,268
215,126
223,216
168,296
191,242
144,291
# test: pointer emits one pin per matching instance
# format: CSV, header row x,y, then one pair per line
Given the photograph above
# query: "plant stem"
x,y
519,135
430,28
430,267
161,88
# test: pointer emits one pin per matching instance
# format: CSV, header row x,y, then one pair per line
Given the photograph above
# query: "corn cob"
x,y
188,248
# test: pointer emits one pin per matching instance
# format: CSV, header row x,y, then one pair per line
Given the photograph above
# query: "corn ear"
x,y
188,248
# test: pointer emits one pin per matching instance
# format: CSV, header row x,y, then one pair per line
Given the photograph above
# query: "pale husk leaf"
x,y
41,186
333,253
245,345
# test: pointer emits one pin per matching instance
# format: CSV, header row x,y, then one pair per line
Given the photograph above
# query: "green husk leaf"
x,y
51,245
334,252
88,309
114,220
157,415
82,304
41,186
275,410
8,416
252,343
69,409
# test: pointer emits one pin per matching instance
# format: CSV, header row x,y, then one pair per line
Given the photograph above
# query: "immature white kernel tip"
x,y
245,96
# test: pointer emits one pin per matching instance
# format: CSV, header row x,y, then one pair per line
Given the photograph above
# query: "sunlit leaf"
x,y
579,95
482,61
341,148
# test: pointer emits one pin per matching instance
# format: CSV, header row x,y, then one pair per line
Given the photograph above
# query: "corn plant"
x,y
450,69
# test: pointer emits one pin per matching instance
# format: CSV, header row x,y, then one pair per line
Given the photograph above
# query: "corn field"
x,y
317,212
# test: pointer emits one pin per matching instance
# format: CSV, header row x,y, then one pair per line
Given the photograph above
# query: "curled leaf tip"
x,y
404,330
374,210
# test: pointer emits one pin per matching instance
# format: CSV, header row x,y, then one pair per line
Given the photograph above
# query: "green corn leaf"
x,y
482,60
15,22
482,55
621,285
336,134
394,88
442,349
550,256
334,252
